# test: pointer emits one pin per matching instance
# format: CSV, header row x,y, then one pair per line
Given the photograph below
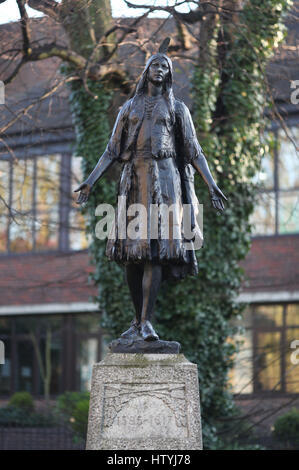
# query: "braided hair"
x,y
167,92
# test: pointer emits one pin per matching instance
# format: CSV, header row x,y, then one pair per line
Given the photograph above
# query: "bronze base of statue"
x,y
140,330
138,345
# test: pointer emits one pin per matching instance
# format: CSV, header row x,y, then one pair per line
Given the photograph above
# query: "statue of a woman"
x,y
154,139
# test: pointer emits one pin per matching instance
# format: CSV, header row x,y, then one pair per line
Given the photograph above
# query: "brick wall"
x,y
273,264
44,278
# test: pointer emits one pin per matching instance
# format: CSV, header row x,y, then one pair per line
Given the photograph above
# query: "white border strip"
x,y
268,297
77,307
41,309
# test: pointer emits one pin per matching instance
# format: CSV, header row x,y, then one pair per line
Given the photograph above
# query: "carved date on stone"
x,y
150,410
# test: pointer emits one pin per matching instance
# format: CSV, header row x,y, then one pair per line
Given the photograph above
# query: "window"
x,y
37,206
263,364
277,211
78,239
87,329
26,339
74,342
47,199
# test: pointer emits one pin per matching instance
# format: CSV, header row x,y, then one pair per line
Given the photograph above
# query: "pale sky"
x,y
9,10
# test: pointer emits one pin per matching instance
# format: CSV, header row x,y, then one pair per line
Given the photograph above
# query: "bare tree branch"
x,y
45,52
193,16
48,7
184,36
54,50
24,26
46,95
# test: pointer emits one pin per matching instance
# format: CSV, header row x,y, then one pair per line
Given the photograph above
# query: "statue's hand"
x,y
84,189
217,197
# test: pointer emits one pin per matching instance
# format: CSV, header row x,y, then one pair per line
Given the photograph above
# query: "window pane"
x,y
25,324
25,355
5,326
87,354
45,332
4,179
21,224
51,339
87,348
48,182
47,202
288,212
22,194
288,160
47,230
5,369
266,175
242,374
78,239
4,202
77,173
88,323
21,237
268,362
293,315
3,229
263,218
292,370
268,316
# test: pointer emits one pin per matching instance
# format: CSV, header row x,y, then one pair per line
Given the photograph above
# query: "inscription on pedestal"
x,y
144,401
148,410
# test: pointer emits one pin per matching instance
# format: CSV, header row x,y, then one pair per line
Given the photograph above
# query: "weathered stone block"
x,y
144,401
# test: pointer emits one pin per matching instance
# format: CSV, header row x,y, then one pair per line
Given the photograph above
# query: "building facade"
x,y
46,299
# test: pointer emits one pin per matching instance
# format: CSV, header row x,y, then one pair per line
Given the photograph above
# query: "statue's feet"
x,y
147,331
133,332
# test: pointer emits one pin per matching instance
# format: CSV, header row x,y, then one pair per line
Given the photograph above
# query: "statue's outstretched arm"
x,y
108,158
105,161
195,156
201,166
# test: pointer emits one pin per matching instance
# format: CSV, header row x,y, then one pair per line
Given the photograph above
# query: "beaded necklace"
x,y
150,102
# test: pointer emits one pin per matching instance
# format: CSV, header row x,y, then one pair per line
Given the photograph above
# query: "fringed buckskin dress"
x,y
156,154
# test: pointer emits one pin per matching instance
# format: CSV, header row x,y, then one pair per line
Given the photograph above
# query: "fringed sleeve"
x,y
189,145
114,146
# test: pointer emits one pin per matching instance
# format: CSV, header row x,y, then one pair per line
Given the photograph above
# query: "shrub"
x,y
22,401
14,416
67,402
286,428
79,419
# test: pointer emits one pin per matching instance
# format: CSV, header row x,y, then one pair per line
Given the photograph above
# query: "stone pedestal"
x,y
144,401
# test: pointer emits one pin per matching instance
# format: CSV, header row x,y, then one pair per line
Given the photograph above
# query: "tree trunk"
x,y
45,367
85,23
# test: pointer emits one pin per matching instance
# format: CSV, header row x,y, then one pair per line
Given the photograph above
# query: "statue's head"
x,y
158,69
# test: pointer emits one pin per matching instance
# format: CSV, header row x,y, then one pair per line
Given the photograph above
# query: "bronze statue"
x,y
155,140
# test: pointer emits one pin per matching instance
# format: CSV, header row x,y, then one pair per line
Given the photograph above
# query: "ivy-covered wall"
x,y
229,98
